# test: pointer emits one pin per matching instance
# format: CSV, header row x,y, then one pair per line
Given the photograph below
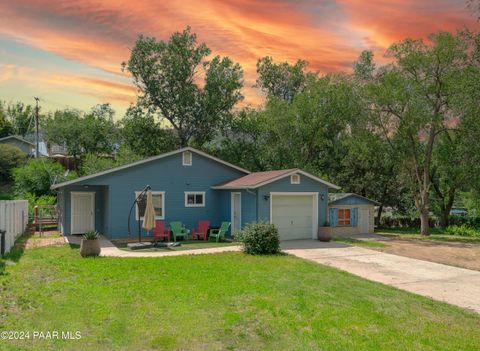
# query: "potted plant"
x,y
90,245
325,232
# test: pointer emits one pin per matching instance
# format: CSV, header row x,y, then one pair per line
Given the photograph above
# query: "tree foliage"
x,y
413,103
16,118
140,132
282,80
168,74
82,133
38,175
10,157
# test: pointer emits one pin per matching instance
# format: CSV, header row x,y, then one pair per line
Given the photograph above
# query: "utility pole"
x,y
37,142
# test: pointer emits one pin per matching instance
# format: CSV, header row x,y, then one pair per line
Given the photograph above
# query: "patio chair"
x,y
220,233
159,232
201,231
178,230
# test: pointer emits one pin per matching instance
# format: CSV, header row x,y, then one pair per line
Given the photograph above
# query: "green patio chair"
x,y
220,233
178,230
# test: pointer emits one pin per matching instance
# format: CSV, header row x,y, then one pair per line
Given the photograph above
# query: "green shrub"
x,y
462,230
40,200
10,157
2,267
260,239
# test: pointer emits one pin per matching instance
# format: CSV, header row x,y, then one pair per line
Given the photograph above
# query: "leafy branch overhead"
x,y
177,81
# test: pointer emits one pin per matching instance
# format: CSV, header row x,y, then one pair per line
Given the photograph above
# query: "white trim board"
x,y
232,216
150,159
315,207
195,193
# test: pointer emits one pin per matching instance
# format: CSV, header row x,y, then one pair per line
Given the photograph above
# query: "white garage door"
x,y
293,215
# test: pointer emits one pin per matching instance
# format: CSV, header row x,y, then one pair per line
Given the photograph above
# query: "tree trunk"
x,y
424,222
379,214
444,218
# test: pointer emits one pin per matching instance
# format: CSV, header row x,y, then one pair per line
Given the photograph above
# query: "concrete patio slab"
x,y
108,249
457,286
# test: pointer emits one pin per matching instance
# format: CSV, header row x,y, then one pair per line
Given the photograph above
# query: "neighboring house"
x,y
25,145
15,140
350,213
189,185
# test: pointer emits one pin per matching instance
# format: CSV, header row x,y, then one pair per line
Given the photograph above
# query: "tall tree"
x,y
168,75
282,80
411,103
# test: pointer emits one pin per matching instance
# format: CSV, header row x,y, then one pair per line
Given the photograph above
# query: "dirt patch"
x,y
47,238
452,253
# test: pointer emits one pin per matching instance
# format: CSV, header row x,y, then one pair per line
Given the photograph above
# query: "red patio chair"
x,y
201,231
159,232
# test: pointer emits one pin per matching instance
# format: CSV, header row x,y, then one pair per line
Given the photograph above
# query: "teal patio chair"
x,y
178,230
220,233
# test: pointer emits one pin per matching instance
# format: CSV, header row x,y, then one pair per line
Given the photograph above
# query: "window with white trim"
x,y
295,179
194,199
158,198
187,158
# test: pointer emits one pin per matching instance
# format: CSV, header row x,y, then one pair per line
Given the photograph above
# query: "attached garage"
x,y
294,214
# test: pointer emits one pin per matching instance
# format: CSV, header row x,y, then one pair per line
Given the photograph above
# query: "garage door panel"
x,y
293,216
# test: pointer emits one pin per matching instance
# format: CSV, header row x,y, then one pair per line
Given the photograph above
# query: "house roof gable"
x,y
147,160
336,197
17,138
258,179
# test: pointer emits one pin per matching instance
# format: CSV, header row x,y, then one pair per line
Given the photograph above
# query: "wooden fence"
x,y
13,220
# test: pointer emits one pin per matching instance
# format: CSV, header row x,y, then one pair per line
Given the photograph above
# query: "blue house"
x,y
189,185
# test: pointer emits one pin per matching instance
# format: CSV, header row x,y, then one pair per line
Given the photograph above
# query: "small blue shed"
x,y
351,214
189,185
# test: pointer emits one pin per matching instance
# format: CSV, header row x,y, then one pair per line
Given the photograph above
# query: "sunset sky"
x,y
69,52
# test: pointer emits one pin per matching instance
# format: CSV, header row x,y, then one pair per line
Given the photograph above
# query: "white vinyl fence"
x,y
13,220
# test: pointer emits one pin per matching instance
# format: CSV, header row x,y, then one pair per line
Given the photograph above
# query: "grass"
x,y
435,234
229,301
185,245
356,242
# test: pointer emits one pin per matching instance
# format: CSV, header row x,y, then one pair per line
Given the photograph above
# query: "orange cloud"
x,y
329,34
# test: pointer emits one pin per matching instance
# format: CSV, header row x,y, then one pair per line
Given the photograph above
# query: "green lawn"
x,y
435,234
226,301
185,245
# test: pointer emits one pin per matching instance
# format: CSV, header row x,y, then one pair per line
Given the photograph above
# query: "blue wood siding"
x,y
101,225
249,205
283,185
168,175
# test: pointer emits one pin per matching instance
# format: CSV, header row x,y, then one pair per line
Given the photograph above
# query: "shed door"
x,y
82,212
293,215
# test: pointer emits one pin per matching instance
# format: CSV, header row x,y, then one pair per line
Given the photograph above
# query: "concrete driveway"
x,y
457,286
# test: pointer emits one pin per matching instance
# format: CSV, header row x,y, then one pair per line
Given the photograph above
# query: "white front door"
x,y
236,215
82,212
364,220
294,215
